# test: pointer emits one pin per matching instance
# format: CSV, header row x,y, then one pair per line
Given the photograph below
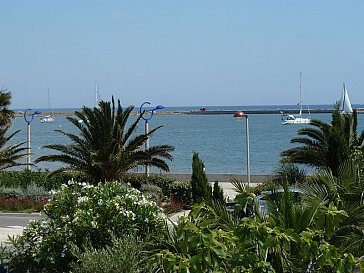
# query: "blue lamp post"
x,y
240,116
29,118
146,118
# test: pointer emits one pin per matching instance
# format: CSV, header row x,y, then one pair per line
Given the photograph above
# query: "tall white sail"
x,y
345,102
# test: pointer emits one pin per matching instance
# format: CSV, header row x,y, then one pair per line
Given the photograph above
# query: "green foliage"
x,y
178,189
195,245
203,242
137,180
201,188
22,179
6,115
218,193
181,191
32,198
105,147
290,174
80,213
32,191
125,255
153,191
9,155
326,145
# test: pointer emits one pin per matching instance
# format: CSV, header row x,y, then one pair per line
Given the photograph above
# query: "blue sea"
x,y
220,140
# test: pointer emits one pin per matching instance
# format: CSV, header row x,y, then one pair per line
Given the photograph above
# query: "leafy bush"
x,y
290,174
125,255
21,204
32,191
22,179
173,206
137,180
204,242
32,198
81,212
153,191
181,191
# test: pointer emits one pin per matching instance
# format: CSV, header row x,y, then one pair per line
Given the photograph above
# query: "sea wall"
x,y
219,112
254,178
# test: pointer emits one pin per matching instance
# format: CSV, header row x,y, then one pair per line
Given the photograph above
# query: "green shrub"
x,y
125,255
218,193
290,174
201,188
153,191
22,179
29,199
33,191
205,242
137,180
181,191
80,212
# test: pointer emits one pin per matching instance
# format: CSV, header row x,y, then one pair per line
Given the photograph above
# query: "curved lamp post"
x,y
29,118
240,116
146,119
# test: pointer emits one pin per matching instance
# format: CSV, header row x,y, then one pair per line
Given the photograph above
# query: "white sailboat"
x,y
345,101
296,119
48,118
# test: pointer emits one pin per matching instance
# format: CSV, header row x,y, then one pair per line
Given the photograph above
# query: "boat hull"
x,y
47,119
296,120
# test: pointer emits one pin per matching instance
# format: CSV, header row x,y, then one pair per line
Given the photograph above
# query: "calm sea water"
x,y
219,139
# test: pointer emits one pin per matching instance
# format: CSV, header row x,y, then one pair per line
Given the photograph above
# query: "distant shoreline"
x,y
217,112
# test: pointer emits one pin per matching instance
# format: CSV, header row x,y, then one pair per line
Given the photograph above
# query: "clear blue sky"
x,y
181,53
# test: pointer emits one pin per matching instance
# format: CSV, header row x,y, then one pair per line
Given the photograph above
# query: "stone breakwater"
x,y
219,112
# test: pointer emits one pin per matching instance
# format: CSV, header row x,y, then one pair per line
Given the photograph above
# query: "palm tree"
x,y
6,115
326,144
346,192
9,155
106,148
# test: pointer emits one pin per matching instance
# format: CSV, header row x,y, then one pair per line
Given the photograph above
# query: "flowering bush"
x,y
80,213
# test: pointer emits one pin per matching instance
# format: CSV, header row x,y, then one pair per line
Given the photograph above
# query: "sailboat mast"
x,y
300,102
49,104
96,94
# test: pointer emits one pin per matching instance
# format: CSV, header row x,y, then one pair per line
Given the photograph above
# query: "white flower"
x,y
82,199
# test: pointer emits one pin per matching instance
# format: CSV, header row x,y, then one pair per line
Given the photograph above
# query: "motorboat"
x,y
291,119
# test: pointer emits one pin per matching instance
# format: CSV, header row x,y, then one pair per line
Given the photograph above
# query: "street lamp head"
x,y
239,115
159,107
148,114
31,115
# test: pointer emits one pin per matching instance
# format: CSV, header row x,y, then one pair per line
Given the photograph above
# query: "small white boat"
x,y
291,119
296,119
48,118
345,101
